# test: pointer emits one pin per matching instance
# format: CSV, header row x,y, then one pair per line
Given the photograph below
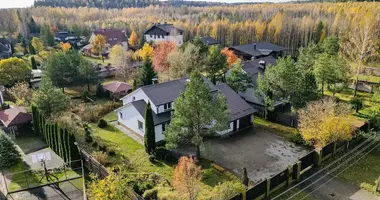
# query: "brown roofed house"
x,y
14,119
118,89
113,37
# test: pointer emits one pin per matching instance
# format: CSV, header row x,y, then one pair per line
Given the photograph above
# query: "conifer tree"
x,y
147,72
9,154
149,137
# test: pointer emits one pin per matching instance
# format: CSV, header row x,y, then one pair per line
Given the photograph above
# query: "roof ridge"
x,y
148,86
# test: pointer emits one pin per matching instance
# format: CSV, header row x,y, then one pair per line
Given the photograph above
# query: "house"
x,y
118,89
36,78
5,48
257,50
66,36
209,41
162,95
164,32
15,120
113,37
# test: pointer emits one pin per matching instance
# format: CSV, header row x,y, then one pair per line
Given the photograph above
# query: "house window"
x,y
163,127
167,106
121,115
140,125
115,39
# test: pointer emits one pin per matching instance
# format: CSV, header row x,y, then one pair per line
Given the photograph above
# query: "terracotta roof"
x,y
111,34
14,116
117,86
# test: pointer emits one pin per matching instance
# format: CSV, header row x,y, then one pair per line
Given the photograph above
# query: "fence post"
x,y
317,157
347,145
334,149
298,170
289,175
268,187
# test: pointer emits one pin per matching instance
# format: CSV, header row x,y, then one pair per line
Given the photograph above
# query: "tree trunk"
x,y
88,86
323,85
198,152
356,84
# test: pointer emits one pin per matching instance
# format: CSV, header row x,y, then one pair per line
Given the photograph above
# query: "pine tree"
x,y
147,72
216,63
9,154
149,137
32,51
34,64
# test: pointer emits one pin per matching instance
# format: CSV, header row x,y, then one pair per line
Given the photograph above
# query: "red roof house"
x,y
118,89
15,116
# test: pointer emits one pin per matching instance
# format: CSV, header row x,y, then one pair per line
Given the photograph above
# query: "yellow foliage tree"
x,y
65,46
146,51
325,121
37,44
99,44
133,39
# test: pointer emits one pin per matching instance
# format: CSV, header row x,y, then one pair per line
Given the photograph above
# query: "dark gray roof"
x,y
4,41
262,48
3,48
166,92
253,66
209,40
157,119
236,105
168,28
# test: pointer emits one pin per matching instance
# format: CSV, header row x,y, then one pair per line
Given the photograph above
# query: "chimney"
x,y
254,46
262,64
154,80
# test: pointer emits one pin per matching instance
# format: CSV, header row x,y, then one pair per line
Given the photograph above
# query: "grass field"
x,y
365,172
114,139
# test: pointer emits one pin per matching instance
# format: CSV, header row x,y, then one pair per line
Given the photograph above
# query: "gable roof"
x,y
117,86
167,28
157,119
4,41
253,66
262,48
166,92
15,116
112,33
209,40
236,105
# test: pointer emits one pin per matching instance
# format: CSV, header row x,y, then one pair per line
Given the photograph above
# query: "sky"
x,y
27,3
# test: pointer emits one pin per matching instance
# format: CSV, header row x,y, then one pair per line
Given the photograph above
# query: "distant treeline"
x,y
119,3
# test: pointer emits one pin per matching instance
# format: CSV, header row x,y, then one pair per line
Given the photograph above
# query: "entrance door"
x,y
235,126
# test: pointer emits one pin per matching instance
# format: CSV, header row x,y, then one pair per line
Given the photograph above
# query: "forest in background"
x,y
291,25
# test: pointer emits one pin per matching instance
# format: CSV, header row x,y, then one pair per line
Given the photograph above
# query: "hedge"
x,y
57,138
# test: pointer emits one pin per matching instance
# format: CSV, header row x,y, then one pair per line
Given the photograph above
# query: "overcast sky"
x,y
27,3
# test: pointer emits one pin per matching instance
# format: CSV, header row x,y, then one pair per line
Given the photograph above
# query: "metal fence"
x,y
294,172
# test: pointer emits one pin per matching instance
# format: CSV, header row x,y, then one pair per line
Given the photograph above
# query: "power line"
x,y
341,172
336,168
326,167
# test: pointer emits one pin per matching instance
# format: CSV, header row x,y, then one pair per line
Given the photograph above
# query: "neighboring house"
x,y
5,48
15,120
36,78
66,36
113,37
162,95
164,32
118,89
209,41
257,50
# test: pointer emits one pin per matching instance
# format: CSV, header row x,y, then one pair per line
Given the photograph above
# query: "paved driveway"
x,y
260,151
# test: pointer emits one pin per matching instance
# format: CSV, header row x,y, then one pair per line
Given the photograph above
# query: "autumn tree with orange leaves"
x,y
231,56
133,40
187,176
65,46
160,55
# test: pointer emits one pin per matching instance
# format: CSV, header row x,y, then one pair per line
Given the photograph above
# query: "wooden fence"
x,y
294,172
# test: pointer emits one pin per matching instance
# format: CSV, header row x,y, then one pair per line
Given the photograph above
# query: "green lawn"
x,y
365,172
369,78
112,116
98,60
114,139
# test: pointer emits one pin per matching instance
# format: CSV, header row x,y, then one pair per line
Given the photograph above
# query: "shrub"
x,y
152,158
101,157
102,123
357,103
102,148
111,153
4,106
161,153
86,94
88,136
100,90
150,194
95,144
9,154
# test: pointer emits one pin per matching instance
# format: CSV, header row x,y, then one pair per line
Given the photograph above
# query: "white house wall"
x,y
130,118
158,131
138,95
178,39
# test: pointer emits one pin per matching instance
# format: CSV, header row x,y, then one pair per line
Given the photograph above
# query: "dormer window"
x,y
168,106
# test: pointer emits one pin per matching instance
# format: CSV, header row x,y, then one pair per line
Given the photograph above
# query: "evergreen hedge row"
x,y
56,137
